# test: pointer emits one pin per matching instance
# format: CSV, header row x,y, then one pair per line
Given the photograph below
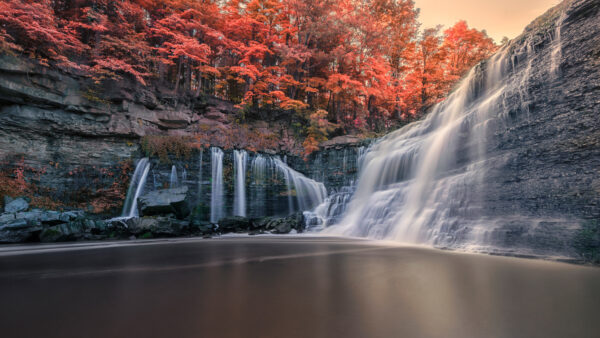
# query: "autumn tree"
x,y
465,47
358,65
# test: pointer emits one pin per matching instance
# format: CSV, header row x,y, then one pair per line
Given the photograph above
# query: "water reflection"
x,y
294,288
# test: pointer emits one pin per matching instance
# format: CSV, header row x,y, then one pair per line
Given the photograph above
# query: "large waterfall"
x,y
136,187
216,199
423,183
239,168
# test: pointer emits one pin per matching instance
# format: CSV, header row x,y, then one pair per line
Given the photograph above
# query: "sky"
x,y
498,17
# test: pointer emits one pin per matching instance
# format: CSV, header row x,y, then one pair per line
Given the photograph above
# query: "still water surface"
x,y
289,287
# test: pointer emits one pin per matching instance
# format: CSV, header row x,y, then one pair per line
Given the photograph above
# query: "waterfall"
x,y
136,187
309,193
173,181
556,53
239,168
216,198
258,169
360,156
421,183
330,211
183,176
200,176
154,181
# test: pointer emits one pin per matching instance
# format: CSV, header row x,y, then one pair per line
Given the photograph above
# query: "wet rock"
x,y
165,201
199,227
19,231
16,205
279,225
157,226
6,217
234,224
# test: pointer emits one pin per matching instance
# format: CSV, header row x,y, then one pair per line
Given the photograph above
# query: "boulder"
x,y
148,227
164,202
281,225
19,231
199,227
234,224
6,217
16,205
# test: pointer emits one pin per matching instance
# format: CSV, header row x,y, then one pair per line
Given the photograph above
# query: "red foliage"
x,y
363,62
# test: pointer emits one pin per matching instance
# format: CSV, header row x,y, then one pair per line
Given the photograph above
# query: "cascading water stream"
x,y
418,182
259,168
173,181
239,168
216,199
556,54
199,197
309,193
136,187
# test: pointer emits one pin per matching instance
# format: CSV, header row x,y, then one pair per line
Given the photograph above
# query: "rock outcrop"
x,y
165,201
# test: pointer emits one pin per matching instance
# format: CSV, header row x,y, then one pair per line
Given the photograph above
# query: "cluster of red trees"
x,y
360,63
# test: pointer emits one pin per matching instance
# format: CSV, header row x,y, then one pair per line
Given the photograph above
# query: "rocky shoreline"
x,y
161,217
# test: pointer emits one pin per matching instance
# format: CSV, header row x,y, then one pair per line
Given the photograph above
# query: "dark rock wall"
x,y
545,151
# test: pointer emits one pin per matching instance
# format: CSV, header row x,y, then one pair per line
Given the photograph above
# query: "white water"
x,y
136,187
556,54
173,181
200,175
240,158
260,173
309,193
216,199
421,183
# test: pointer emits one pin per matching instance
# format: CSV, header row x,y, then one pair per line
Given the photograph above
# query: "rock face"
x,y
546,157
68,132
165,201
16,205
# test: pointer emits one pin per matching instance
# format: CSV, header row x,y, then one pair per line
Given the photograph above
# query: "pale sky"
x,y
498,17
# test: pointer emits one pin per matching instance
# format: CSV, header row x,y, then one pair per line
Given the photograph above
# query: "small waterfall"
x,y
136,187
239,168
360,156
308,193
200,176
154,181
330,211
259,167
556,54
183,176
173,181
216,199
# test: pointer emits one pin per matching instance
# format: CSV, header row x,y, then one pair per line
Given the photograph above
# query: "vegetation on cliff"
x,y
337,63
